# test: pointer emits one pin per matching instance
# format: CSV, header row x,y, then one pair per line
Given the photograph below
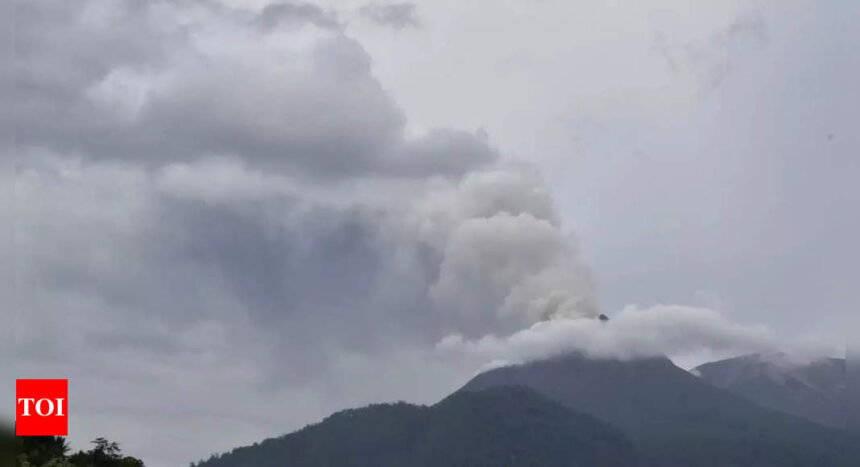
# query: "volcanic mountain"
x,y
674,417
564,411
502,426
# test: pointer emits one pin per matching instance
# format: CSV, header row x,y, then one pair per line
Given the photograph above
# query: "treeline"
x,y
53,451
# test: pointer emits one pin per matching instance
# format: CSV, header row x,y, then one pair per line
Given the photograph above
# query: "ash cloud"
x,y
121,80
215,202
226,199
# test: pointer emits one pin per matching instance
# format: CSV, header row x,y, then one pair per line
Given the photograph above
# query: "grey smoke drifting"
x,y
212,202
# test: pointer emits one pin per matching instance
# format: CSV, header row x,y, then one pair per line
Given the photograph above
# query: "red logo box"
x,y
42,407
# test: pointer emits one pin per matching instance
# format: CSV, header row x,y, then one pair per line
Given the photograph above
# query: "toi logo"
x,y
42,407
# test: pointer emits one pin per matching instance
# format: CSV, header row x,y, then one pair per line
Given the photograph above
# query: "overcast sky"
x,y
227,219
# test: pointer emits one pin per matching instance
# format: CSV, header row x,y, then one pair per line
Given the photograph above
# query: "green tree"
x,y
104,454
38,451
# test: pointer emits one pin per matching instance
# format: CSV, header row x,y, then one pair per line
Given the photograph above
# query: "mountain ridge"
x,y
563,411
674,416
504,426
815,390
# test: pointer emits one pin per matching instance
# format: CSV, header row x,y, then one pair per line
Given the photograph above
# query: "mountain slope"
x,y
503,426
673,416
816,391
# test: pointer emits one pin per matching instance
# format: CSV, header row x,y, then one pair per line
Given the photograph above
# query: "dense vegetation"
x,y
53,451
498,427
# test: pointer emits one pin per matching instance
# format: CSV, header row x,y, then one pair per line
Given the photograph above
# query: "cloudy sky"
x,y
226,219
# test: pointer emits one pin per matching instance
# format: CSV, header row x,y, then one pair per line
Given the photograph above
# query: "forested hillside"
x,y
504,426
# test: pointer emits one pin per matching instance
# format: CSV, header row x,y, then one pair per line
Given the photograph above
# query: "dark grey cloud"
x,y
219,241
395,15
126,80
195,270
221,201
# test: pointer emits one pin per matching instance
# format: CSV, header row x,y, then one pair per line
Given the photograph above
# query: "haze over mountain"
x,y
564,411
503,426
816,391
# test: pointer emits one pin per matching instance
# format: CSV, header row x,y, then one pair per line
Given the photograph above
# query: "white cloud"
x,y
673,330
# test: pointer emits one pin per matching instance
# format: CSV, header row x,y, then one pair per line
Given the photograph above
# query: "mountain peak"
x,y
814,389
659,405
500,426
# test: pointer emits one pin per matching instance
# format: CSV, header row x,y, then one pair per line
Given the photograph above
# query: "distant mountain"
x,y
816,391
674,417
501,426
